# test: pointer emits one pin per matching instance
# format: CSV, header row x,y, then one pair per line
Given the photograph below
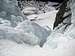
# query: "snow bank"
x,y
9,48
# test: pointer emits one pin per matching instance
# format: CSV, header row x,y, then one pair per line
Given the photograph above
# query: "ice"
x,y
24,38
9,8
15,35
35,29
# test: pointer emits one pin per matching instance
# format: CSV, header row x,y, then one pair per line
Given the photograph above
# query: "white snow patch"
x,y
45,19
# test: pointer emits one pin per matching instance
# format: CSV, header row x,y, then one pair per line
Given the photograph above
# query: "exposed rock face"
x,y
63,13
64,33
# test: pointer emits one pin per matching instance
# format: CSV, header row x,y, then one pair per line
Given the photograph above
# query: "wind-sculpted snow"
x,y
35,29
62,35
15,35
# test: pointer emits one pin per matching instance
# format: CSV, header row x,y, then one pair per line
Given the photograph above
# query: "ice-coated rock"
x,y
35,29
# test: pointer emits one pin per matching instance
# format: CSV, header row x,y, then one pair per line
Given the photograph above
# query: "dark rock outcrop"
x,y
63,13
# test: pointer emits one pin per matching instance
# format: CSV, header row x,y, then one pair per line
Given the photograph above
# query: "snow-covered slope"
x,y
9,48
25,37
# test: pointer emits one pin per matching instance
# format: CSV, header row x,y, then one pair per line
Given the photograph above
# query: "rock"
x,y
63,9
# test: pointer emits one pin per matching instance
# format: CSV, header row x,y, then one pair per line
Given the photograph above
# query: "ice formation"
x,y
15,35
35,29
20,37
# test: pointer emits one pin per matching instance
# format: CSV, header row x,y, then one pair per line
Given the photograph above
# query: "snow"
x,y
18,36
36,30
9,48
26,37
29,9
45,19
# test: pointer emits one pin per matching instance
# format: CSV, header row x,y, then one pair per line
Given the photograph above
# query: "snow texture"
x,y
20,37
